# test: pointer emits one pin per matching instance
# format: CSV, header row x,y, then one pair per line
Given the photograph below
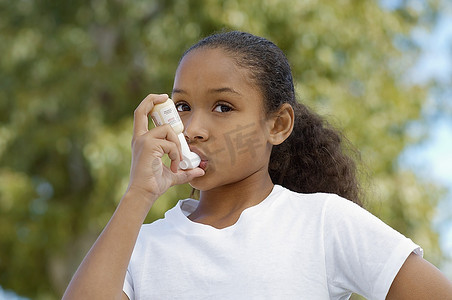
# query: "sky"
x,y
432,159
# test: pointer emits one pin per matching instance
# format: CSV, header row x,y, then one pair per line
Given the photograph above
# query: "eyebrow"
x,y
178,91
223,90
211,91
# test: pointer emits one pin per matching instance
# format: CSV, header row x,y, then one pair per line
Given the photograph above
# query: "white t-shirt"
x,y
289,246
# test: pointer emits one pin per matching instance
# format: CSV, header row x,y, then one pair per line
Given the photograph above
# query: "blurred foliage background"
x,y
71,74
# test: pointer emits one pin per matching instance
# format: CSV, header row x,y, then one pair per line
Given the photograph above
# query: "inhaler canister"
x,y
166,113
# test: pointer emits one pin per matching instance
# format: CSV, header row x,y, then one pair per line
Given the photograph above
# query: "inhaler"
x,y
166,113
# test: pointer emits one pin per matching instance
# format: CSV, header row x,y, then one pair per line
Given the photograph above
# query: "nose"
x,y
195,127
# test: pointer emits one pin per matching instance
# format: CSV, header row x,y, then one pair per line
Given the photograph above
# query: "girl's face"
x,y
222,111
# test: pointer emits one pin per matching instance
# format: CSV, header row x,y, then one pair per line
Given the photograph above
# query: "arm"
x,y
418,279
102,272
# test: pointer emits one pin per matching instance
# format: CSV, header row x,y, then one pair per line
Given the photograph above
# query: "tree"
x,y
72,74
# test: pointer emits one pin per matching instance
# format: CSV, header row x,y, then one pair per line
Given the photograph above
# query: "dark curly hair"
x,y
313,158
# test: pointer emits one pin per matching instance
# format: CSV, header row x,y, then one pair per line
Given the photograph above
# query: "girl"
x,y
271,222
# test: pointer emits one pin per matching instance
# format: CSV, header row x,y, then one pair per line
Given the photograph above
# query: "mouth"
x,y
204,161
203,165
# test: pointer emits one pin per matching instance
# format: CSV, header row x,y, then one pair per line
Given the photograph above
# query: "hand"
x,y
148,174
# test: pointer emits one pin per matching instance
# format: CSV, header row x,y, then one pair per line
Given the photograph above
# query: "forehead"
x,y
211,67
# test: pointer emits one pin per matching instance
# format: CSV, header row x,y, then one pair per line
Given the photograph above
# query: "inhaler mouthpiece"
x,y
190,160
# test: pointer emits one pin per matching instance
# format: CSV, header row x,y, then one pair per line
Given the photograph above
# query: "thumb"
x,y
184,176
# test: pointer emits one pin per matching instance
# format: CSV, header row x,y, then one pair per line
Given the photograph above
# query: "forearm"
x,y
102,272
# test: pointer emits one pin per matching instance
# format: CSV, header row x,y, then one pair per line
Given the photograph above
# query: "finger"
x,y
172,151
165,137
184,176
167,132
140,119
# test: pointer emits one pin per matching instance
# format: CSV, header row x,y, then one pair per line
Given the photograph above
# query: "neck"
x,y
221,207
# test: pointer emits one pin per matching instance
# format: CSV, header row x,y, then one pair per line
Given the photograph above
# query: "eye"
x,y
222,108
182,106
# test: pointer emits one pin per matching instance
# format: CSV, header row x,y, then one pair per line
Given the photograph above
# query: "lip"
x,y
203,165
204,160
198,152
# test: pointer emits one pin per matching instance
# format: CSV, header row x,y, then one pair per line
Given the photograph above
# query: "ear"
x,y
280,125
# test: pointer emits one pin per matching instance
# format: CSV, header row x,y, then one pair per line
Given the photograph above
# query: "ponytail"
x,y
312,159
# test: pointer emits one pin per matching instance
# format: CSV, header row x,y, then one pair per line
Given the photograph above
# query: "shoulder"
x,y
163,226
321,210
333,207
339,217
156,233
322,202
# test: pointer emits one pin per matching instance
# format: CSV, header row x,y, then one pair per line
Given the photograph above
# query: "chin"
x,y
199,186
207,182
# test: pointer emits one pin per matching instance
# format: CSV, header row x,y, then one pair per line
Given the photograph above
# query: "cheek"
x,y
246,143
233,163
